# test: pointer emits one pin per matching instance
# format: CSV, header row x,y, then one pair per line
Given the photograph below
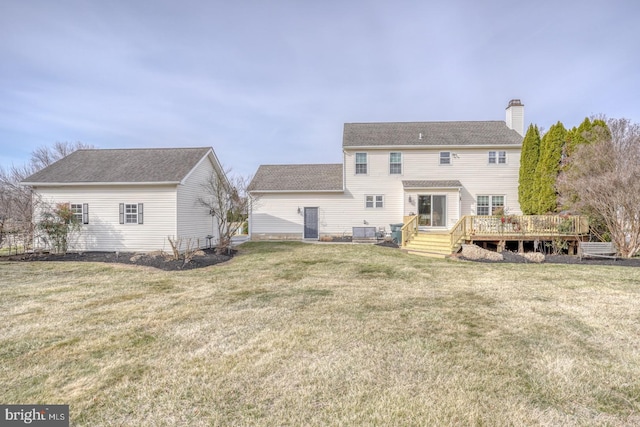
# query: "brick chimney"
x,y
515,116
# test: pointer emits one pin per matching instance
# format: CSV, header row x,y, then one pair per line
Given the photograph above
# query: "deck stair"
x,y
431,244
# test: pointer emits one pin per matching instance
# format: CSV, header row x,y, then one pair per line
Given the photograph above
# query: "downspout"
x,y
250,218
459,203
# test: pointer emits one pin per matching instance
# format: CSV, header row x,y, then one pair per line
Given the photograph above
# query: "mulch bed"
x,y
512,257
208,257
204,258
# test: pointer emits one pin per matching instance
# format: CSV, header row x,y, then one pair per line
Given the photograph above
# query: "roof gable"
x,y
142,166
291,178
429,134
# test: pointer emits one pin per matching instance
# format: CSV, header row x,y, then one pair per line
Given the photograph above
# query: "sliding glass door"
x,y
432,210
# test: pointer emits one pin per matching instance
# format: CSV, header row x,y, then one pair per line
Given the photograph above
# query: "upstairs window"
x,y
361,163
395,163
445,157
497,157
502,157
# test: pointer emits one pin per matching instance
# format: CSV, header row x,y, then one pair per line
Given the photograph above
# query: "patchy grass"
x,y
297,334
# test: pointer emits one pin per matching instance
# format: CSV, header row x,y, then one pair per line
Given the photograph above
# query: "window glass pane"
x,y
131,213
439,211
395,163
483,205
76,209
369,201
379,202
361,162
497,202
445,158
502,157
492,156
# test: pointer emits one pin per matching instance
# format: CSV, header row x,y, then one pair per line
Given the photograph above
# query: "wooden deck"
x,y
503,231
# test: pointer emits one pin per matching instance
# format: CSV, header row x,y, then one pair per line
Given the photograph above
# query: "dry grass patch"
x,y
295,334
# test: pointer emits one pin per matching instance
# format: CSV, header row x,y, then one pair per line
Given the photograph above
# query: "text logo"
x,y
34,415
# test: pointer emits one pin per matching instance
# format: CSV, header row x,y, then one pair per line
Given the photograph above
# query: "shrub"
x,y
58,225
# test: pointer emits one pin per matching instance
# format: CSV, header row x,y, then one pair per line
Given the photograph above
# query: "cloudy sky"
x,y
273,82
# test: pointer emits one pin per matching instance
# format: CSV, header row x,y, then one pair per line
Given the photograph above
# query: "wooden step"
x,y
426,254
430,244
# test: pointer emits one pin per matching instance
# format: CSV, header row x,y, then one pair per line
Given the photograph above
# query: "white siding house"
x,y
439,171
131,199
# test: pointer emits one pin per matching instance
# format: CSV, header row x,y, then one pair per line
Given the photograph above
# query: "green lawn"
x,y
299,334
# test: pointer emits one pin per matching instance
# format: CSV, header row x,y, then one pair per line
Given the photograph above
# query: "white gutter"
x,y
295,191
425,147
84,184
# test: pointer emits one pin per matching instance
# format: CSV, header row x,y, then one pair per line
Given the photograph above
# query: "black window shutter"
x,y
140,213
85,213
121,213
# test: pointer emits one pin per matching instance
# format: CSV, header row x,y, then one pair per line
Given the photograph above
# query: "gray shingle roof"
x,y
316,177
121,166
432,133
448,183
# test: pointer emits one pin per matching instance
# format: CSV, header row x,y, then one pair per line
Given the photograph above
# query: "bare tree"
x,y
17,201
227,199
16,206
602,179
45,155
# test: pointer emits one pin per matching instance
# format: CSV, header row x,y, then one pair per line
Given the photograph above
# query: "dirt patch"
x,y
386,242
160,260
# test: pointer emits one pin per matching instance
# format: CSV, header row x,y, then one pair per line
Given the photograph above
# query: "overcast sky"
x,y
273,82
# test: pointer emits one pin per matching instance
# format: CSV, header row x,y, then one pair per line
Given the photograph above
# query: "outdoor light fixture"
x,y
410,199
299,211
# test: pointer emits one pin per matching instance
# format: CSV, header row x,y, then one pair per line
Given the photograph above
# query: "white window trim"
x,y
497,156
366,164
125,216
375,199
83,215
440,158
395,163
503,157
130,216
491,205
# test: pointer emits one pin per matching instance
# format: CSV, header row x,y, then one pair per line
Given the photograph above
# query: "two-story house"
x,y
439,171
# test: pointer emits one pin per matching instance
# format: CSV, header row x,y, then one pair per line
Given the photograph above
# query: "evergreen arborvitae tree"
x,y
551,149
579,135
528,164
599,130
